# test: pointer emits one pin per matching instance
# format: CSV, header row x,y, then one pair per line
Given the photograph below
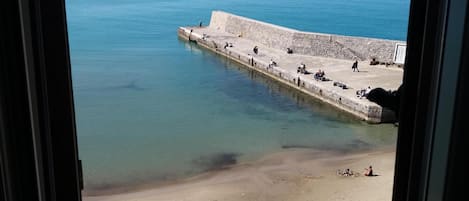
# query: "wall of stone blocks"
x,y
307,43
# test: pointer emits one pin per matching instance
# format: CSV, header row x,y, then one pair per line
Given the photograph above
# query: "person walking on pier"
x,y
355,66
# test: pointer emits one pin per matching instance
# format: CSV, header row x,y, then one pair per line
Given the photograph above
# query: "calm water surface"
x,y
150,107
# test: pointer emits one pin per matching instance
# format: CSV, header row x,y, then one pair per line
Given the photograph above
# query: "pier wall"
x,y
370,113
307,43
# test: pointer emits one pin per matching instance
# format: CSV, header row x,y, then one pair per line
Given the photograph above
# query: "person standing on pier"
x,y
355,66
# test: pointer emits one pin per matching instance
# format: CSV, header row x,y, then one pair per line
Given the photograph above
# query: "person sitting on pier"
x,y
360,93
363,92
272,63
320,75
301,69
255,49
306,72
374,62
367,91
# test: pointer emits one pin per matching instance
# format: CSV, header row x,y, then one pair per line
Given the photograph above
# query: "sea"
x,y
151,107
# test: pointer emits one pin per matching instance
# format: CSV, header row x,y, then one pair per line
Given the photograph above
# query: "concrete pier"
x,y
332,54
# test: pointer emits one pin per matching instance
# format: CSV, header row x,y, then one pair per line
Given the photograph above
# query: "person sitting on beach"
x,y
289,50
348,172
368,171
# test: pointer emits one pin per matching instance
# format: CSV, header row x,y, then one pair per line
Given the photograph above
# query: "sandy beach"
x,y
294,174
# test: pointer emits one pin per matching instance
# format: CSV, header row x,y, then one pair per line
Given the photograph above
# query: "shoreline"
x,y
287,175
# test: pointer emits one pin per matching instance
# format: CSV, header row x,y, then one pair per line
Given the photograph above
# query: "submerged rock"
x,y
296,146
217,161
353,145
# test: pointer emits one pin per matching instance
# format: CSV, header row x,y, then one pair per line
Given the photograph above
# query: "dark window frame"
x,y
426,155
38,141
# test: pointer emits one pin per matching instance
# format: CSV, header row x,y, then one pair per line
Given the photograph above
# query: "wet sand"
x,y
294,174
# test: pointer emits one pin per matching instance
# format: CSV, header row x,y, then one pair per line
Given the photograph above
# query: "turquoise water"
x,y
150,107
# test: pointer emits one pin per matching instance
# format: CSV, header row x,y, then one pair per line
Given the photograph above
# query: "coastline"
x,y
296,174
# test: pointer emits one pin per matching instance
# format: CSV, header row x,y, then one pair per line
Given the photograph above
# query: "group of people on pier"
x,y
302,69
363,92
227,45
319,75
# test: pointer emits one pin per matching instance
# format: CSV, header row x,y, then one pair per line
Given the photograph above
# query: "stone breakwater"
x,y
331,53
307,43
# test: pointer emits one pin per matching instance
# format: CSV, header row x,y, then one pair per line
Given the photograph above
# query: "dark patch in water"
x,y
354,145
297,146
217,161
131,86
359,144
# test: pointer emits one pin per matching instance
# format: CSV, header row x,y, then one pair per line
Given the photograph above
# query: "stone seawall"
x,y
367,111
306,43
